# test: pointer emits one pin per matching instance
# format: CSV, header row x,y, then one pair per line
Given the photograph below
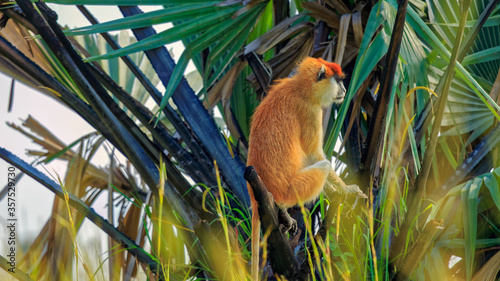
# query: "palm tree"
x,y
417,132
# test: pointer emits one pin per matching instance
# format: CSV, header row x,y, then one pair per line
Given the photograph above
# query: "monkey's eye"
x,y
322,73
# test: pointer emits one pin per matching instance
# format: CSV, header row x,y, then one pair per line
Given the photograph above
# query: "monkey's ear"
x,y
322,73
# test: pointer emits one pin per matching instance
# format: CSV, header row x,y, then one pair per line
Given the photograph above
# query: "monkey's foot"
x,y
287,223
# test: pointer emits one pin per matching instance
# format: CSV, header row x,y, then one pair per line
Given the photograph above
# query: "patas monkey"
x,y
286,140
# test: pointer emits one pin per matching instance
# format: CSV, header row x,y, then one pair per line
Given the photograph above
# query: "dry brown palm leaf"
x,y
76,182
224,87
358,28
299,47
339,56
489,270
19,36
319,12
338,5
130,267
350,53
130,224
95,177
342,38
20,33
247,5
357,23
277,34
327,53
53,247
35,126
31,258
348,36
49,142
282,64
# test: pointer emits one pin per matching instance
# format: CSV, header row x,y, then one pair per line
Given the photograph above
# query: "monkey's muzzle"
x,y
341,88
341,92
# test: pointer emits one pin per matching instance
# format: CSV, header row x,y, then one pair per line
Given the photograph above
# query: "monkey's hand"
x,y
345,190
353,189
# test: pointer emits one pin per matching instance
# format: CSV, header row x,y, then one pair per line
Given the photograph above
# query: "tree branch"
x,y
281,256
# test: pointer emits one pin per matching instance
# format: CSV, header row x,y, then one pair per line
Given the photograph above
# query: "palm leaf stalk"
x,y
203,166
110,122
172,116
169,194
370,161
193,111
119,237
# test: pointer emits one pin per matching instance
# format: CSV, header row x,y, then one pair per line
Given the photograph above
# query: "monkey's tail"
x,y
255,241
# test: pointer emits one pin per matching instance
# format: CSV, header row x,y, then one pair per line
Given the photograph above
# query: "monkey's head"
x,y
326,78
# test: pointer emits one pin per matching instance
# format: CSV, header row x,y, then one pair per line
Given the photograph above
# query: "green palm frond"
x,y
481,61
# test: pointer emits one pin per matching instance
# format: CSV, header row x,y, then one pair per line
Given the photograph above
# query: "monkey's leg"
x,y
289,224
307,184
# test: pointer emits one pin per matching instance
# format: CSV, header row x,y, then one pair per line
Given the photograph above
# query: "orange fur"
x,y
286,139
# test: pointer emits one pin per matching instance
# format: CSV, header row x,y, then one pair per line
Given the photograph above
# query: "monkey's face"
x,y
329,85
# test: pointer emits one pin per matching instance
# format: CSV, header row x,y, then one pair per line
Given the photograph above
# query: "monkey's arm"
x,y
335,180
336,190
